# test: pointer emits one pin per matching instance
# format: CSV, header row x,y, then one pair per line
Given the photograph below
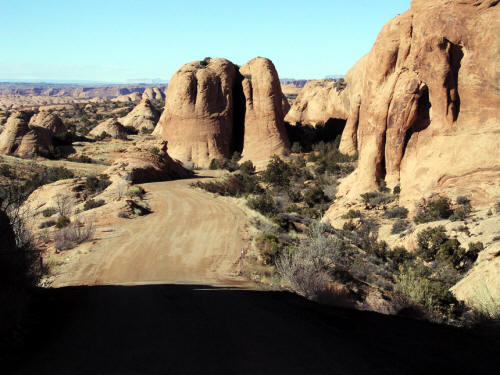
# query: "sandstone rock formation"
x,y
144,115
133,97
317,102
110,126
429,116
265,133
147,162
21,139
212,110
197,120
153,93
49,121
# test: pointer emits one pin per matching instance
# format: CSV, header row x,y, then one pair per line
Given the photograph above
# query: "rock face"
x,y
140,164
49,121
429,113
21,139
317,102
153,93
265,133
212,110
198,117
144,115
133,97
110,126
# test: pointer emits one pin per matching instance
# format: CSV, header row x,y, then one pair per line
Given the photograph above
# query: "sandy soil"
x,y
191,237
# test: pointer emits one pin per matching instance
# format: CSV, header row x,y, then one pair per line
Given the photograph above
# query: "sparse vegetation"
x,y
432,210
73,234
91,204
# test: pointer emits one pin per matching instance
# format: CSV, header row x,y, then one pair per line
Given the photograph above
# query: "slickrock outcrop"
x,y
147,162
212,110
110,126
317,102
198,117
265,133
144,115
21,139
133,97
429,115
49,121
153,93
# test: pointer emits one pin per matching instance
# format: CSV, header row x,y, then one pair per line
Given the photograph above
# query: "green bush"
x,y
315,195
227,164
95,184
396,190
376,198
247,167
497,207
278,173
146,131
396,213
263,203
269,247
233,185
136,191
91,204
438,209
154,151
399,226
62,221
352,214
131,130
49,211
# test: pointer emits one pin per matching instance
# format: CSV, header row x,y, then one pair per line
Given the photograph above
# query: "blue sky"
x,y
121,40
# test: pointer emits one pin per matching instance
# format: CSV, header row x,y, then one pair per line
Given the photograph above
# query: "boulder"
x,y
197,121
110,126
153,93
144,115
50,121
147,162
428,118
14,130
264,130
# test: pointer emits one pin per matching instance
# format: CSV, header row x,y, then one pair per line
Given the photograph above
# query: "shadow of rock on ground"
x,y
191,329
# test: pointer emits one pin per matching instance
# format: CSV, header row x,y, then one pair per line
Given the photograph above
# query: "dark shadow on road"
x,y
190,329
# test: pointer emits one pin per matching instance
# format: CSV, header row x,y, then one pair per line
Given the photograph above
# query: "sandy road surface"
x,y
191,237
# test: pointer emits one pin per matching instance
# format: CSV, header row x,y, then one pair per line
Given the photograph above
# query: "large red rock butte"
x,y
426,114
212,110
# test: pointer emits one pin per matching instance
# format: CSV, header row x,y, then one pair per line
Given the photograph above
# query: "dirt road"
x,y
191,237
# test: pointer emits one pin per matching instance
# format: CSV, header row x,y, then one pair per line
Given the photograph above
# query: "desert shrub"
x,y
460,213
62,221
81,159
73,235
497,207
91,204
314,262
396,213
352,214
47,224
131,130
146,131
376,198
269,247
399,255
154,151
263,203
433,210
227,164
247,167
49,212
277,174
234,185
461,200
136,192
396,190
399,226
5,170
416,282
95,184
102,136
296,148
349,226
315,195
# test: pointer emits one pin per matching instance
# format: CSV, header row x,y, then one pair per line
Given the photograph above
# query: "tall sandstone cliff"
x,y
212,109
428,115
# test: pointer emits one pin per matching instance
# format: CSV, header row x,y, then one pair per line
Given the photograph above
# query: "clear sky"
x,y
121,40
